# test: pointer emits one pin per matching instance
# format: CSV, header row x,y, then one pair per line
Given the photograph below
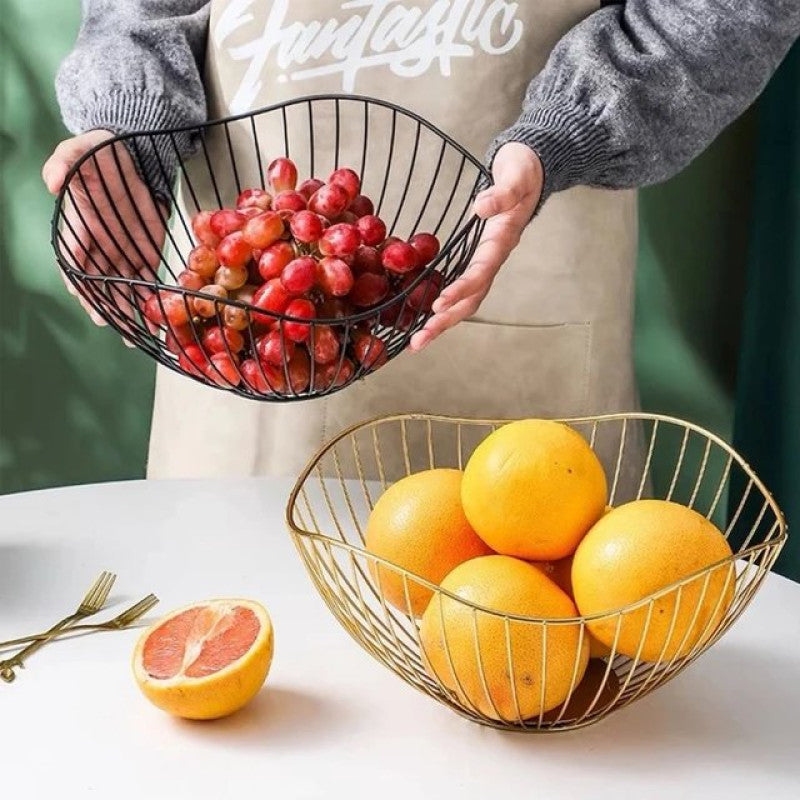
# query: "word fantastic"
x,y
404,38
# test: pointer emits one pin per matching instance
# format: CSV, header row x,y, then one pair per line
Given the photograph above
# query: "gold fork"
x,y
122,620
92,602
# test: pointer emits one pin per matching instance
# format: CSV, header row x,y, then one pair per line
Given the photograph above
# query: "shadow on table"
x,y
278,717
713,721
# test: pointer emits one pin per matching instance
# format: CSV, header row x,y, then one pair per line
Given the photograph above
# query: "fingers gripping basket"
x,y
120,244
331,502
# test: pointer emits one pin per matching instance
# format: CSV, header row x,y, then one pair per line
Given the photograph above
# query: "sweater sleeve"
x,y
633,93
136,66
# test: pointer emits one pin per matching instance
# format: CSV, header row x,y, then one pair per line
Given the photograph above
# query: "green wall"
x,y
75,403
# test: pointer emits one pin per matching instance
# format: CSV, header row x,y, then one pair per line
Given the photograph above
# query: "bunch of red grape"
x,y
316,251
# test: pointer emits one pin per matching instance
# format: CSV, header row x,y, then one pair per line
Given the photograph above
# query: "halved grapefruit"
x,y
206,660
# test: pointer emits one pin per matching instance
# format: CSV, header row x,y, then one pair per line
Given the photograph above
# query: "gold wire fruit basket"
x,y
331,502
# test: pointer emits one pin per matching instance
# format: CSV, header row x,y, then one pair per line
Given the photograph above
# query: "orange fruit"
x,y
533,488
205,660
595,684
560,572
475,654
419,525
638,549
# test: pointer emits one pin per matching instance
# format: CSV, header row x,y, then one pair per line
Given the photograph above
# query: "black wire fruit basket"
x,y
137,233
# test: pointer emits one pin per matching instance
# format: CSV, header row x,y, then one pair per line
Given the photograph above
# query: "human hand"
x,y
508,206
111,225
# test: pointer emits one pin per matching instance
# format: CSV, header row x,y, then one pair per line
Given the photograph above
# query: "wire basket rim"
x,y
777,540
455,239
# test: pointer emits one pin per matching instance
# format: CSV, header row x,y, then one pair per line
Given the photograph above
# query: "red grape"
x,y
152,310
176,308
334,277
369,289
399,315
207,307
262,378
334,308
263,230
192,280
193,360
254,198
201,226
348,179
362,206
274,259
300,371
227,221
334,374
326,346
422,296
223,370
307,227
271,297
215,339
302,309
245,294
390,240
329,201
427,247
369,350
282,174
234,250
235,317
231,277
309,187
248,212
340,240
203,260
367,259
299,275
179,337
290,201
372,230
274,348
399,257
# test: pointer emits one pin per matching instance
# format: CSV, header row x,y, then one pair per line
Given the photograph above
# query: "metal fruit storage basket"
x,y
331,502
118,247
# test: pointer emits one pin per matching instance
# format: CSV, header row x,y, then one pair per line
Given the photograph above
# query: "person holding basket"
x,y
576,102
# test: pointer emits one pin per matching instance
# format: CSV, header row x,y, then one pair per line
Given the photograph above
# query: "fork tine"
x,y
138,610
87,598
101,592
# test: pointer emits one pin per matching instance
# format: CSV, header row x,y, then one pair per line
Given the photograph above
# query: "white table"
x,y
331,722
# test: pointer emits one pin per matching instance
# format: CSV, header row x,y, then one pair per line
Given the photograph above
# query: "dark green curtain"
x,y
767,422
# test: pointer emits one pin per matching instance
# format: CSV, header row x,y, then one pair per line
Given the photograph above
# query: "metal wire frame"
x,y
331,501
109,241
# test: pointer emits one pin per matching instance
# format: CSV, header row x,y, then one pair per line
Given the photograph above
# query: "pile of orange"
x,y
524,533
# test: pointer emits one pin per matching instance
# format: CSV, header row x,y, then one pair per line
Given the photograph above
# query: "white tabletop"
x,y
331,722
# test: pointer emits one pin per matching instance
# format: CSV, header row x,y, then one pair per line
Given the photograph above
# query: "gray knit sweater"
x,y
628,97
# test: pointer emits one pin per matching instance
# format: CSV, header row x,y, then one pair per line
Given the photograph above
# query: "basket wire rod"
x,y
690,627
452,196
637,659
389,162
460,692
365,144
311,138
429,436
755,525
460,445
285,129
376,446
329,503
404,441
476,640
429,193
257,152
720,487
346,492
185,176
618,466
608,670
511,676
361,475
212,177
409,176
739,508
337,134
590,709
542,675
593,435
574,679
468,203
648,460
700,474
679,464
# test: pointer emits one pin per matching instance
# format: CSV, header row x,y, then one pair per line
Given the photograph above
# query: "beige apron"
x,y
553,338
